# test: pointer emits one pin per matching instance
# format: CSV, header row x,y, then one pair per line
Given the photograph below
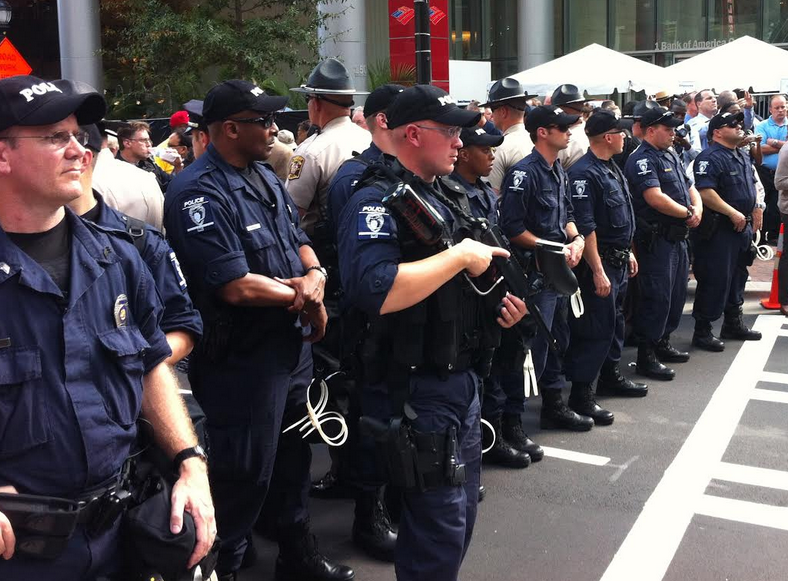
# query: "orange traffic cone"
x,y
773,302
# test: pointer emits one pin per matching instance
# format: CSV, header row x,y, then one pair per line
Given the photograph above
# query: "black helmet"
x,y
566,94
505,90
329,77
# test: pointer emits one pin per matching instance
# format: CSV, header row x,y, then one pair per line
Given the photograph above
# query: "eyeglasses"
x,y
147,140
450,132
58,139
266,122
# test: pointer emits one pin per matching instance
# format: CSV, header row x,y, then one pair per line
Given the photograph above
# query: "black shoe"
x,y
513,433
299,559
225,577
611,382
734,328
557,416
329,487
503,453
668,353
482,492
708,342
582,401
648,365
372,530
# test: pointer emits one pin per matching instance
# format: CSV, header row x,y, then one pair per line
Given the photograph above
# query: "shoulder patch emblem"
x,y
580,189
196,214
373,222
518,176
703,167
643,166
296,165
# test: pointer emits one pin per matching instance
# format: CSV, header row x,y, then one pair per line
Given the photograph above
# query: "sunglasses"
x,y
561,128
266,122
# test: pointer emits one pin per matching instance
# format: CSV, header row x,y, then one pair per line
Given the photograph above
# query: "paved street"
x,y
688,483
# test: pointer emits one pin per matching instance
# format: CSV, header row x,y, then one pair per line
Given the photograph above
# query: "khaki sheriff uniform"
x,y
516,145
578,145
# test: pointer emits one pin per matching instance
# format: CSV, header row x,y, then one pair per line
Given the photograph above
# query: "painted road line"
x,y
770,395
772,377
765,515
648,549
573,456
751,475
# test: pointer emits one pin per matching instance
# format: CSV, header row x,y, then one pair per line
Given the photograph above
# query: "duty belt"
x,y
673,232
615,257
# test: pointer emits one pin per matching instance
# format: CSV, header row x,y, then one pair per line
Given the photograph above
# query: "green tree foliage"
x,y
159,54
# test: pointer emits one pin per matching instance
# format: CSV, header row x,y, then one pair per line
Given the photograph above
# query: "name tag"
x,y
252,227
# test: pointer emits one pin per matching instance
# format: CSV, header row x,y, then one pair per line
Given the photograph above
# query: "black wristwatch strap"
x,y
193,452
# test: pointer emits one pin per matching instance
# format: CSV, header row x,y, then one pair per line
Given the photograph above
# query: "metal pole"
x,y
79,29
423,50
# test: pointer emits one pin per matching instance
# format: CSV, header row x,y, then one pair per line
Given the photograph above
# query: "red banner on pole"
x,y
402,45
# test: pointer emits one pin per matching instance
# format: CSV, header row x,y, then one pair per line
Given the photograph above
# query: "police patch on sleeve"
x,y
579,187
517,179
373,222
296,165
703,167
196,214
176,266
643,167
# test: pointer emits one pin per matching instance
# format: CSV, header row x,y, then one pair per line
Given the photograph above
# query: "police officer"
x,y
329,91
604,215
723,242
81,345
535,205
180,322
507,99
424,328
666,207
569,98
474,161
259,288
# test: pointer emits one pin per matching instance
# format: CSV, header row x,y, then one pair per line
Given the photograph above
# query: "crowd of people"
x,y
437,267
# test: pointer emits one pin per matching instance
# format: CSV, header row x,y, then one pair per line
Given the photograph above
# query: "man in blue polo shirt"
x,y
775,133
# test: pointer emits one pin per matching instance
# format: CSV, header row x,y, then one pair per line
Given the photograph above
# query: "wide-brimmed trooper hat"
x,y
503,91
329,77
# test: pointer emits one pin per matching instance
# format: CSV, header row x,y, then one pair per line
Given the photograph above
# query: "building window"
x,y
479,32
775,21
632,25
731,19
586,23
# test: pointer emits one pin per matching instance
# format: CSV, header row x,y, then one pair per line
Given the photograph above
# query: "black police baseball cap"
x,y
508,91
548,116
29,101
329,77
602,121
725,120
567,94
380,99
428,103
235,95
659,116
478,136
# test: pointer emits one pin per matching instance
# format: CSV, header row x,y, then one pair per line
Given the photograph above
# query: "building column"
x,y
344,37
534,32
79,28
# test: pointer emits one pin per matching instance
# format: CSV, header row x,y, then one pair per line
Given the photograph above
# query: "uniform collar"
x,y
516,128
234,179
543,161
473,190
336,122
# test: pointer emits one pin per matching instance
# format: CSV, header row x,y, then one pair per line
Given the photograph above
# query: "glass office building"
x,y
659,31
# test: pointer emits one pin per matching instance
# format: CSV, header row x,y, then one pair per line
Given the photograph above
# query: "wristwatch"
x,y
576,236
320,269
690,212
193,452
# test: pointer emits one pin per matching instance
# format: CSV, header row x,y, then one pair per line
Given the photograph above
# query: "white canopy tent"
x,y
598,71
742,63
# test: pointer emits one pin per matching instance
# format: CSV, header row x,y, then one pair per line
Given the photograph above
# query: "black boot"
x,y
667,353
733,327
299,559
557,416
372,530
225,577
703,338
611,382
649,365
482,492
513,433
503,453
582,401
330,487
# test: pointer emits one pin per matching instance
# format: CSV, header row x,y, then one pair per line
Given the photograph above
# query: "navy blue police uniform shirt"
x,y
729,173
341,188
481,198
535,197
648,167
71,370
161,260
368,242
223,228
601,201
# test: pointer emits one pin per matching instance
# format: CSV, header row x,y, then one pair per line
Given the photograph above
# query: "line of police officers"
x,y
427,352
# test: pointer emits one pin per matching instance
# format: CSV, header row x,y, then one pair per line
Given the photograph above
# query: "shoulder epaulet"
x,y
378,174
136,229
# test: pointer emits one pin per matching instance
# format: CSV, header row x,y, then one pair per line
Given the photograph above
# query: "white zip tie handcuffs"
x,y
317,416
